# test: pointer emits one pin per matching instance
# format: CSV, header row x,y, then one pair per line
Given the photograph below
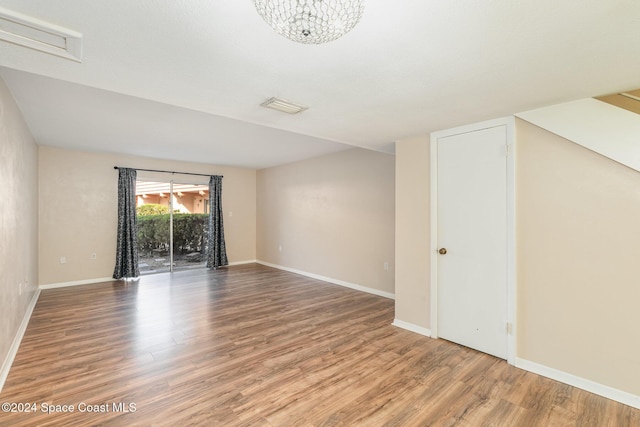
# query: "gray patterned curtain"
x,y
127,245
216,250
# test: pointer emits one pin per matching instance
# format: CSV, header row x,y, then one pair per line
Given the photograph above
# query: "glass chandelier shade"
x,y
311,21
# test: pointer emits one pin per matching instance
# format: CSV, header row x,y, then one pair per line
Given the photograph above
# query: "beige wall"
x,y
78,199
578,245
412,232
333,216
18,219
578,250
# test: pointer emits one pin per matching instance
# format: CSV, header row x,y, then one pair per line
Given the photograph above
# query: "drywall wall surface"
x,y
331,216
577,260
412,231
18,220
78,216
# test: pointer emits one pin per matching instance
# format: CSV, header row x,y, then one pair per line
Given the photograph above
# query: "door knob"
x,y
442,251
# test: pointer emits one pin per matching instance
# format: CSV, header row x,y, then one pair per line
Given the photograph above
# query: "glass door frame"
x,y
161,185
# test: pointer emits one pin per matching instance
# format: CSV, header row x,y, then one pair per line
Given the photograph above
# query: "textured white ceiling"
x,y
184,79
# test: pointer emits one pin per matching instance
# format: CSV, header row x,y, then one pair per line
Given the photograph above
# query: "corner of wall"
x,y
412,232
19,215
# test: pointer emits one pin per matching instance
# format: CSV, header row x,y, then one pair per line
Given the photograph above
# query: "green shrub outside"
x,y
152,209
189,233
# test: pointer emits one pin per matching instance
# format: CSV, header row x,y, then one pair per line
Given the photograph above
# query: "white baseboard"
x,y
15,345
110,279
582,383
330,280
250,261
411,327
76,283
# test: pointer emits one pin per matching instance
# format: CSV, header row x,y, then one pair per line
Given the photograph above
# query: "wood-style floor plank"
x,y
254,346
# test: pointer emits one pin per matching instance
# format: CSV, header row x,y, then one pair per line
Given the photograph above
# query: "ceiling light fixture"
x,y
282,105
311,21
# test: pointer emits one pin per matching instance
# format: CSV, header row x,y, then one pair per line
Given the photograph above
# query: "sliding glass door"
x,y
172,225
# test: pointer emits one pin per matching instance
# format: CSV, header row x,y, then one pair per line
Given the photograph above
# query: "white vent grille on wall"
x,y
30,32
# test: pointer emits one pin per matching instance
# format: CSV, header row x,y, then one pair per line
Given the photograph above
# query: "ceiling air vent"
x,y
30,32
282,105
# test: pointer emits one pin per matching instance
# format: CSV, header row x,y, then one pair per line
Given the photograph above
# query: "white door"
x,y
472,230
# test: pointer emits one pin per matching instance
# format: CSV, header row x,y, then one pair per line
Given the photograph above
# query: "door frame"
x,y
510,153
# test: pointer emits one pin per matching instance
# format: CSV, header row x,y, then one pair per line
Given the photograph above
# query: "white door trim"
x,y
509,122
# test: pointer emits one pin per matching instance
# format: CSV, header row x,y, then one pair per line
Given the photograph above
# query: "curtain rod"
x,y
180,173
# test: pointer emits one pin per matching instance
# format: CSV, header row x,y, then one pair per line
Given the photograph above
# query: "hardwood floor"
x,y
254,346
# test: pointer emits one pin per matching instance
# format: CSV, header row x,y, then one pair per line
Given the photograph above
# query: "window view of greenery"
x,y
190,221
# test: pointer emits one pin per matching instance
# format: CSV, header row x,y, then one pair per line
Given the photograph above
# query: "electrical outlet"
x,y
230,213
94,255
386,266
63,260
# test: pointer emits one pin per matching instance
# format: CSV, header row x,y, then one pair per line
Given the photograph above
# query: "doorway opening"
x,y
172,225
